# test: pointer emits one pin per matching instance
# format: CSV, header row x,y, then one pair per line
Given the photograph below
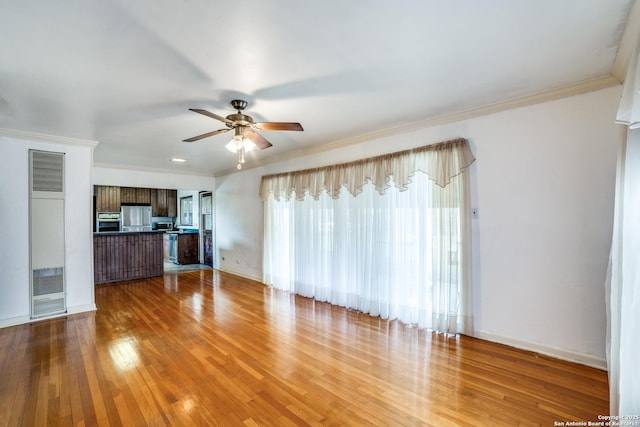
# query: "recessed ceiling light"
x,y
178,160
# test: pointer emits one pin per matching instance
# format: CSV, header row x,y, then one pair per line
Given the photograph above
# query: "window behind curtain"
x,y
399,255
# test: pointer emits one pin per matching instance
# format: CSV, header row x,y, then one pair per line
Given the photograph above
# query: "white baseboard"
x,y
21,320
558,353
81,308
236,273
13,321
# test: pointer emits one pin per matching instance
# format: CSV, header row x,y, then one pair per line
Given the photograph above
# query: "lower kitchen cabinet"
x,y
188,248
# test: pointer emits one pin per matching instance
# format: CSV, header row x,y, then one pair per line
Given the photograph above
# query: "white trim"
x,y
14,321
579,88
32,136
76,309
235,273
558,353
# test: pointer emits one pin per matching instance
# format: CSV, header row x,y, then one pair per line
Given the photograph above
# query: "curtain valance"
x,y
440,162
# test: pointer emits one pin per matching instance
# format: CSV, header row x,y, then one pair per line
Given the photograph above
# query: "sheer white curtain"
x,y
623,276
400,253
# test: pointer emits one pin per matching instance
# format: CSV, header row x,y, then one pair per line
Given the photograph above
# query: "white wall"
x,y
546,178
150,179
238,224
544,185
14,232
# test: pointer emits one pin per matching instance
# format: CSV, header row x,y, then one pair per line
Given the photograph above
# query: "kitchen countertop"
x,y
116,233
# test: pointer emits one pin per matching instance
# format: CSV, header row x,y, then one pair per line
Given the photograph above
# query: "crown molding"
x,y
47,138
579,88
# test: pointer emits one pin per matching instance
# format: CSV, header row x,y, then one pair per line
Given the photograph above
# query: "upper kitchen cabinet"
x,y
107,198
141,196
164,202
158,202
172,203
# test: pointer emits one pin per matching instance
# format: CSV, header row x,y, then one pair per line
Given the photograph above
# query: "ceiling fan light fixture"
x,y
235,144
238,142
248,145
240,145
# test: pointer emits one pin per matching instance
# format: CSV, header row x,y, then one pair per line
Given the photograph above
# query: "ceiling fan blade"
x,y
206,135
278,126
257,139
213,116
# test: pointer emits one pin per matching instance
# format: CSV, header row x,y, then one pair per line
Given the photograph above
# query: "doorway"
x,y
206,228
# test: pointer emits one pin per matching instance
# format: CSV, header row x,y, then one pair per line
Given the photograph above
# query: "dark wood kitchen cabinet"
x,y
158,202
187,249
107,198
172,203
137,195
164,202
127,195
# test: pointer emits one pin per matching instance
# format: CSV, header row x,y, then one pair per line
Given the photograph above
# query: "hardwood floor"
x,y
206,348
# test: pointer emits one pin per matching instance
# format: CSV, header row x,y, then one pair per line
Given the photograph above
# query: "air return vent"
x,y
46,233
47,281
48,292
48,172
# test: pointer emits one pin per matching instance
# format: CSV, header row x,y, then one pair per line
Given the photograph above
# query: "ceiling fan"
x,y
245,138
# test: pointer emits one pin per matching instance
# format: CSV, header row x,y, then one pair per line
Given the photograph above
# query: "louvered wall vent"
x,y
48,172
46,214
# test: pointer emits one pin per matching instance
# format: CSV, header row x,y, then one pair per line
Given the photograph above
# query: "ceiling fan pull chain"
x,y
240,157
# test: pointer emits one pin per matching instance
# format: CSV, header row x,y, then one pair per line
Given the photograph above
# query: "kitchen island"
x,y
121,256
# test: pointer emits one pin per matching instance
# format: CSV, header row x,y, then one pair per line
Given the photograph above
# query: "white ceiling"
x,y
124,73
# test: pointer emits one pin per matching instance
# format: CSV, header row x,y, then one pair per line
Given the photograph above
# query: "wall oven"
x,y
107,221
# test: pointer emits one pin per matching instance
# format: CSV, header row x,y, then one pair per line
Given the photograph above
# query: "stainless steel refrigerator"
x,y
135,218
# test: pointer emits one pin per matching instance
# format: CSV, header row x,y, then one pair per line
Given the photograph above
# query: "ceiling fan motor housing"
x,y
239,119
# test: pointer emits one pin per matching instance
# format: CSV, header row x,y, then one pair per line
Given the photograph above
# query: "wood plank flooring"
x,y
207,348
